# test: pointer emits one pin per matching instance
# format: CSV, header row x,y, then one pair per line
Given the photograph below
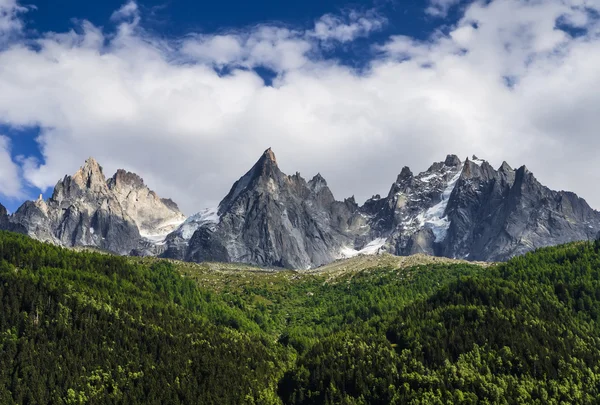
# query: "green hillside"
x,y
90,328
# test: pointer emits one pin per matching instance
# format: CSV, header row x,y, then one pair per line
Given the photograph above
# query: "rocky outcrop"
x,y
87,210
155,217
3,217
271,218
458,209
455,209
495,215
471,210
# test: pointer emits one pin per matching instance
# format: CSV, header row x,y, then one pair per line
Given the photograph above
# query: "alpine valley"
x,y
455,209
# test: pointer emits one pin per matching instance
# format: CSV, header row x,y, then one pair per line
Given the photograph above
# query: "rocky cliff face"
x,y
470,210
155,217
87,210
455,209
3,217
271,218
497,214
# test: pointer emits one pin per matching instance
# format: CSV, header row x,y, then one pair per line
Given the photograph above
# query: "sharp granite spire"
x,y
85,209
459,209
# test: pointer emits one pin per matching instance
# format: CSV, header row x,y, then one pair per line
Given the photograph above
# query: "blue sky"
x,y
178,18
188,94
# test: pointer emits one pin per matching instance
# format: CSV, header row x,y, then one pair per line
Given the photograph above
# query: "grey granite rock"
x,y
274,219
87,210
456,209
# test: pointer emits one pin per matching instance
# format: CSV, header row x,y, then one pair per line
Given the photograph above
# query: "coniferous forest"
x,y
91,328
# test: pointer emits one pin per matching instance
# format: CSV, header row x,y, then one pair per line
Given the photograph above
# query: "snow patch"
x,y
155,238
371,248
426,179
159,234
434,217
92,231
478,162
208,216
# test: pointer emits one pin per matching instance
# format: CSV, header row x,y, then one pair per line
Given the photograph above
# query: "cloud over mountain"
x,y
510,80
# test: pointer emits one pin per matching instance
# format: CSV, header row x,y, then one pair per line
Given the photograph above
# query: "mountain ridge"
x,y
457,209
87,209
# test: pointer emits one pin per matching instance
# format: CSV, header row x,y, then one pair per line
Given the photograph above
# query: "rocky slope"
x,y
155,217
498,214
470,210
271,218
87,210
456,209
465,210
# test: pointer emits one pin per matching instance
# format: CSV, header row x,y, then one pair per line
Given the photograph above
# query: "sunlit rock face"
x,y
274,219
459,209
87,210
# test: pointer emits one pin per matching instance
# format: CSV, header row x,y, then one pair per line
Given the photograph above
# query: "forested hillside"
x,y
89,328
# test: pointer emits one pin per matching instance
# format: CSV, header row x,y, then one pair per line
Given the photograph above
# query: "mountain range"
x,y
457,209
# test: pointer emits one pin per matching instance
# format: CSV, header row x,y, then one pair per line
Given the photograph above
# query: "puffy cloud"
x,y
126,11
9,18
354,25
440,8
191,116
277,48
10,184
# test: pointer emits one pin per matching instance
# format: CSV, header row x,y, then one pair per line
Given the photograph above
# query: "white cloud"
x,y
440,8
278,48
347,28
159,108
128,10
9,18
10,184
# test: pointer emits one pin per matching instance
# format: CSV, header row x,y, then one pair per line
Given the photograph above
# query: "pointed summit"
x,y
505,167
265,166
317,181
269,155
452,161
90,176
405,174
91,166
264,169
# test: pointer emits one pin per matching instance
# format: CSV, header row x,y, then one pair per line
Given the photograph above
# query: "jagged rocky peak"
x,y
477,168
267,164
89,179
322,193
274,219
90,176
405,175
124,179
264,169
154,217
3,217
351,203
452,161
505,167
270,156
317,183
87,210
128,186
